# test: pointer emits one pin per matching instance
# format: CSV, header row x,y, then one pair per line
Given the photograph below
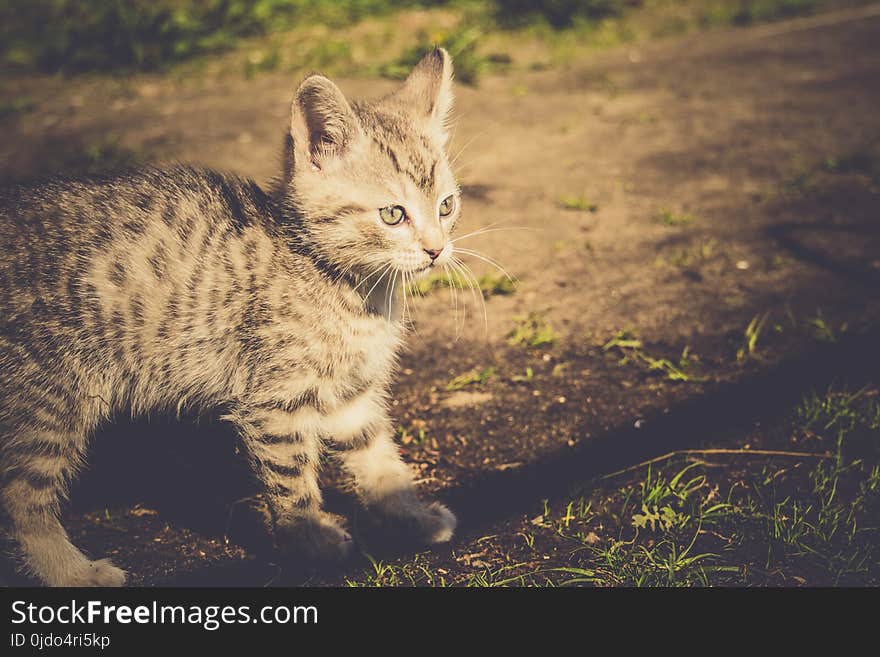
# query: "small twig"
x,y
704,452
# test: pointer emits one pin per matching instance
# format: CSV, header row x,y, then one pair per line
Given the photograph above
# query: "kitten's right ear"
x,y
427,91
322,123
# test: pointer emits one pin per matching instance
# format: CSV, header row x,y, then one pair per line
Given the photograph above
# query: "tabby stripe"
x,y
284,470
272,439
39,446
355,443
305,500
35,480
308,397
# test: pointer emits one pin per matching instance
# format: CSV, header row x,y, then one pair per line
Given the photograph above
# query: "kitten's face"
x,y
373,182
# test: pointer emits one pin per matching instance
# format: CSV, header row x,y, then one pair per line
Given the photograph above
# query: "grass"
x,y
632,350
78,36
462,44
557,13
756,342
749,348
862,163
473,378
785,517
416,433
670,218
86,155
578,203
690,256
93,35
794,502
532,331
491,284
526,377
16,106
414,573
755,11
822,330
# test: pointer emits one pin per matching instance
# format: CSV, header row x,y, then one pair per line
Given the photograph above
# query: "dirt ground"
x,y
758,145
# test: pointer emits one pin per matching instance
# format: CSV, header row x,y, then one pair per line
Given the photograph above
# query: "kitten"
x,y
164,290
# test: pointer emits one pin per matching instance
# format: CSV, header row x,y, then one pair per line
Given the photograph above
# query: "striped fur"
x,y
158,291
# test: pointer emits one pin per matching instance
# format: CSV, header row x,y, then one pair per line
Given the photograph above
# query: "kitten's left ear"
x,y
427,92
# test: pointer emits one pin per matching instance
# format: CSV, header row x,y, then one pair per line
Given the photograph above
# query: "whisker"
x,y
379,280
389,294
463,148
475,290
453,292
478,292
407,319
367,277
488,260
481,228
491,228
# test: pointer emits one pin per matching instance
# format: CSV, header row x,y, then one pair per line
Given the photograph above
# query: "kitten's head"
x,y
370,183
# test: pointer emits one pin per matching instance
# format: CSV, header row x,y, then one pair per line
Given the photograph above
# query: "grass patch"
x,y
496,283
532,331
808,180
864,161
462,43
796,502
106,154
778,518
669,218
472,378
556,13
690,256
823,331
526,377
415,434
632,350
414,573
578,203
751,335
15,106
75,36
491,284
748,12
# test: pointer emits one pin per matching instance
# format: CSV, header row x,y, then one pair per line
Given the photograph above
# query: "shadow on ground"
x,y
181,492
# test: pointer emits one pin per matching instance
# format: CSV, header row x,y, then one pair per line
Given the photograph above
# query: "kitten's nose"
x,y
434,253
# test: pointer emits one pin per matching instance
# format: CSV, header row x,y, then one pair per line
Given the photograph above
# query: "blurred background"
x,y
665,372
76,36
118,48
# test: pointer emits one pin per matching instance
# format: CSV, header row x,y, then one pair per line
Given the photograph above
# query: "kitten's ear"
x,y
322,123
428,90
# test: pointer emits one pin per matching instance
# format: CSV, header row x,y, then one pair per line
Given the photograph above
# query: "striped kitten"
x,y
163,290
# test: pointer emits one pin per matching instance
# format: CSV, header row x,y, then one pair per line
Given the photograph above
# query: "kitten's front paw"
x,y
315,537
437,523
432,523
96,573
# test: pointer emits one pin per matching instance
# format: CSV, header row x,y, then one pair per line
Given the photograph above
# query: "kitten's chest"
x,y
369,353
338,360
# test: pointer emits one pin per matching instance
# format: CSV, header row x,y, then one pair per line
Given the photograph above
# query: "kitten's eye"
x,y
447,206
392,215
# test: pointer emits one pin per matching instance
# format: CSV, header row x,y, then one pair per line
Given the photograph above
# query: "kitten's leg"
x,y
362,435
285,451
37,464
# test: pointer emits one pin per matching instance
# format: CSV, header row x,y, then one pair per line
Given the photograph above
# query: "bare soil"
x,y
734,128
